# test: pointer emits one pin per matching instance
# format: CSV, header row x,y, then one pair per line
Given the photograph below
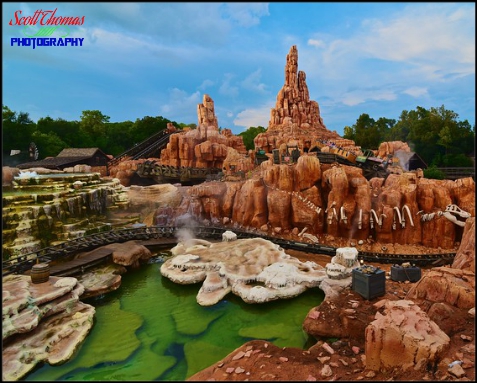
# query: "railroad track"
x,y
65,250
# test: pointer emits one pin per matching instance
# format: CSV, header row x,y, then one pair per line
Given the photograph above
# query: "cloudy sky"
x,y
159,59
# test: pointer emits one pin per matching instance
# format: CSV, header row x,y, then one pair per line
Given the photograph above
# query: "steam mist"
x,y
185,224
403,159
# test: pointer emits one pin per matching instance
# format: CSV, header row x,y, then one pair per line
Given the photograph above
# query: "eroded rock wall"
x,y
337,202
204,147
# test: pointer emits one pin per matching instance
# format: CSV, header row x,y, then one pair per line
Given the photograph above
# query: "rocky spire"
x,y
206,112
296,119
293,100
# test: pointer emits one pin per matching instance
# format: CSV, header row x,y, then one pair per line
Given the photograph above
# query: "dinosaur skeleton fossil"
x,y
450,213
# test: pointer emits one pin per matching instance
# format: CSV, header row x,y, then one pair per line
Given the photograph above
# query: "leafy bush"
x,y
433,173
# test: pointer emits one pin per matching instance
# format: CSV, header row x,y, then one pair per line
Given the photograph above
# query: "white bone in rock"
x,y
406,208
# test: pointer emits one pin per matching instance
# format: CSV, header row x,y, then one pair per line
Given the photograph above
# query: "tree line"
x,y
436,134
93,130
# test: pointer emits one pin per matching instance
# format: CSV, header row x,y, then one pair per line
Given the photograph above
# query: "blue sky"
x,y
159,59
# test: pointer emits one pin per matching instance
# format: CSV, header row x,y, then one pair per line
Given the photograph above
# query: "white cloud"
x,y
423,46
253,117
181,106
424,33
206,84
416,91
226,88
252,82
431,39
202,24
164,54
361,96
316,43
197,23
247,14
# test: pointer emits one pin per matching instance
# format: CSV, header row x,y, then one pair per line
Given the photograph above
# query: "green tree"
x,y
437,135
93,124
445,138
7,114
349,133
433,173
366,132
383,127
17,129
68,131
423,134
121,137
48,144
249,135
400,130
464,138
147,126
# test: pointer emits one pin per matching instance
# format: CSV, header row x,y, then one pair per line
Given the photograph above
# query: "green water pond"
x,y
153,329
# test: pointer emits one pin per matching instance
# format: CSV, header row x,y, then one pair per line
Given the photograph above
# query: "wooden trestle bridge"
x,y
60,256
151,148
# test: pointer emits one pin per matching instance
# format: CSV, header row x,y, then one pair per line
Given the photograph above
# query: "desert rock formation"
x,y
295,119
255,269
207,146
46,322
334,203
204,147
42,322
338,205
404,330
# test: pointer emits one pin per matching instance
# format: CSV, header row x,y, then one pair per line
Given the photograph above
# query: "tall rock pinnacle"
x,y
206,113
296,119
293,100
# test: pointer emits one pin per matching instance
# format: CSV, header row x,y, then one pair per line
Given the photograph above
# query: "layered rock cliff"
x,y
338,205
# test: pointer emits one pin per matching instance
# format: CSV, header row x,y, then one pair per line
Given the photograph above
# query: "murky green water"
x,y
153,329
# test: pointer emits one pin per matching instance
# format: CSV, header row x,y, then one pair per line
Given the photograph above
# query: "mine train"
x,y
372,166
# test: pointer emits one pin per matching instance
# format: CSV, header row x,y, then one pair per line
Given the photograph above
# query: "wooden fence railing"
x,y
456,173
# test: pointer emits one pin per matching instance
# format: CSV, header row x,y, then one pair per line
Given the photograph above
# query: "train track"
x,y
65,250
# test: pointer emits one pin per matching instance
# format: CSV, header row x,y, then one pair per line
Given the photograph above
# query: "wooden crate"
x,y
400,273
369,286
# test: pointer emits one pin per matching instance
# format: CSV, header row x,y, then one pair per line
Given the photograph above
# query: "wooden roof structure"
x,y
70,157
410,160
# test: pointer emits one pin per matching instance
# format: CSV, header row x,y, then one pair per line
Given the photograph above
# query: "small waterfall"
x,y
84,196
94,201
71,206
58,209
47,210
36,211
